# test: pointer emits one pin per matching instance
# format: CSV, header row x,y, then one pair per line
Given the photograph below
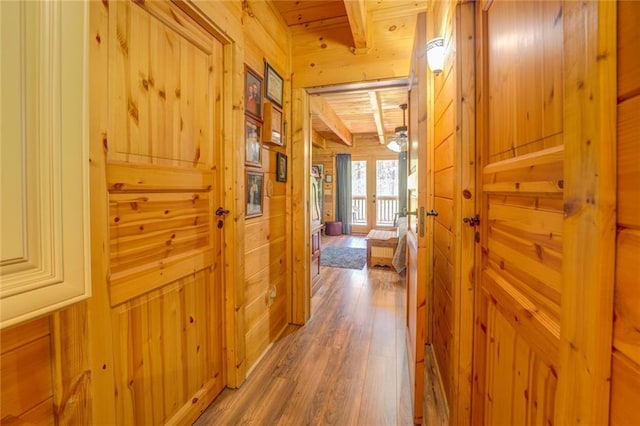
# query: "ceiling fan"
x,y
399,142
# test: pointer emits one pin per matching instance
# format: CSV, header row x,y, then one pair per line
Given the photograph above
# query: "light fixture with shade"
x,y
399,142
435,54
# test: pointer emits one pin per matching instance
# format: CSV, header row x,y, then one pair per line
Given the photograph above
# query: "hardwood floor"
x,y
346,366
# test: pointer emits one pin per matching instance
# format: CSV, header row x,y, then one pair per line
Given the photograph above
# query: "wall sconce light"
x,y
435,54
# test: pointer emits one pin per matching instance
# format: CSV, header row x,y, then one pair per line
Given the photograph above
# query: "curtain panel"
x,y
344,207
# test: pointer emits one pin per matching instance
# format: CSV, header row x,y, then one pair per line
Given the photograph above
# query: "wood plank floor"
x,y
346,366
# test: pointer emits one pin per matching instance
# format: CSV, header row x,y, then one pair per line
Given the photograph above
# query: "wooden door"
x,y
418,232
452,115
163,182
521,162
545,138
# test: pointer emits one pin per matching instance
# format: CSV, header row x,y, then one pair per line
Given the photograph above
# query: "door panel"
x,y
517,333
162,181
361,196
374,193
386,193
417,234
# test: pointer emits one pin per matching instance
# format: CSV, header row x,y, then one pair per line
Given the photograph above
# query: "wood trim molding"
x,y
301,222
45,261
589,228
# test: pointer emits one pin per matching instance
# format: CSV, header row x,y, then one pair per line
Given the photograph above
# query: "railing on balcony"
x,y
386,208
359,210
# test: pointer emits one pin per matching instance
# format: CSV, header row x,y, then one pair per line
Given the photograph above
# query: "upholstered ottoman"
x,y
333,228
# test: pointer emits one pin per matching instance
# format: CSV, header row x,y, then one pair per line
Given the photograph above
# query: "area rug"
x,y
344,257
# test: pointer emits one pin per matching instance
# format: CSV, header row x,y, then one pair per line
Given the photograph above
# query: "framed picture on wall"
x,y
254,187
281,168
272,130
252,144
317,170
253,93
274,85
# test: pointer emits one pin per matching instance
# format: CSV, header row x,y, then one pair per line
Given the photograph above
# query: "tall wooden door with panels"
x,y
162,145
542,340
520,144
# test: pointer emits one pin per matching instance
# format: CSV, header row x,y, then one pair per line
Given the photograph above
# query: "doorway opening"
x,y
375,191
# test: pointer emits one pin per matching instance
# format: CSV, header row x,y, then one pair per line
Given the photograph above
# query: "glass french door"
x,y
374,194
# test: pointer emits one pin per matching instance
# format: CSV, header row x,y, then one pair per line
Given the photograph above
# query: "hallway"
x,y
346,366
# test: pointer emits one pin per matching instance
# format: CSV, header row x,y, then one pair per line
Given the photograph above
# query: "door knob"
x,y
472,221
222,212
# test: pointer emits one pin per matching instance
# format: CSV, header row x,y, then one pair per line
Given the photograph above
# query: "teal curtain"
x,y
344,210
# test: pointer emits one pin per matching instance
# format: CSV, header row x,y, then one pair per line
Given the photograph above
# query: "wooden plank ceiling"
x,y
350,114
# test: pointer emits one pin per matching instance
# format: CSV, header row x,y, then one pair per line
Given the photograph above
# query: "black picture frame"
x,y
252,93
274,85
252,141
281,167
254,182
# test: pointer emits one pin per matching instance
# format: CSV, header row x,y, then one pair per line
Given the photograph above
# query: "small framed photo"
x,y
328,178
253,93
272,125
281,168
274,85
252,144
317,171
255,184
276,127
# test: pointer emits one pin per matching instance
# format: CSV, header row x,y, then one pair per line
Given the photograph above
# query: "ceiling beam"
x,y
321,108
357,15
317,140
376,109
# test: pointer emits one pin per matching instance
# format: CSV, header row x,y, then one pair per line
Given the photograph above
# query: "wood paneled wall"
x,y
625,375
267,240
444,152
266,265
26,372
44,370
